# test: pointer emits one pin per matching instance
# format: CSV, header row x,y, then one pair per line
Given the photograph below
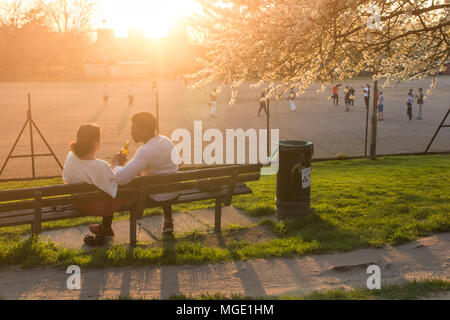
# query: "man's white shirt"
x,y
153,158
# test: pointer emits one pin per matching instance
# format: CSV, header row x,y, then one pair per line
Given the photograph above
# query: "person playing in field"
x,y
352,95
82,166
347,98
367,95
336,94
380,105
263,102
409,104
152,158
213,103
419,101
105,95
292,100
131,96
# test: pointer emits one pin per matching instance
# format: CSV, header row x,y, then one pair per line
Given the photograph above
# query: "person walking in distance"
x,y
292,100
419,101
352,96
380,105
336,94
213,103
105,95
262,102
409,105
367,95
347,98
131,96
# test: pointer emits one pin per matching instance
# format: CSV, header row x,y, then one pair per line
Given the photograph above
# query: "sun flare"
x,y
153,17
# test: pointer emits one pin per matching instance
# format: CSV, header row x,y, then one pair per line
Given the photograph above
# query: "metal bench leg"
x,y
140,215
36,227
167,209
218,215
133,222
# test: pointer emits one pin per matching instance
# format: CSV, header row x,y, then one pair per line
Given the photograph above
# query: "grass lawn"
x,y
355,204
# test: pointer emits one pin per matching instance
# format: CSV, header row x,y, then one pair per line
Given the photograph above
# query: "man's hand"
x,y
118,160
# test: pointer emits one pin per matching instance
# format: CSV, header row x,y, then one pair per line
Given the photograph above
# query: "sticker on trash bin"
x,y
306,178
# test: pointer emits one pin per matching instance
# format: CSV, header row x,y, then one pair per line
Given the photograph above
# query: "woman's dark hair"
x,y
87,136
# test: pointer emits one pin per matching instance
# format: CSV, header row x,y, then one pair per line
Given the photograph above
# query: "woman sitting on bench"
x,y
82,166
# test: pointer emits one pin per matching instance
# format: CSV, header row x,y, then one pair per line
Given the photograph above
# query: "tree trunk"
x,y
373,138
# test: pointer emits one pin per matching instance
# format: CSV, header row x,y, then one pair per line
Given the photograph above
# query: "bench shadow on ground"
x,y
342,270
169,275
230,238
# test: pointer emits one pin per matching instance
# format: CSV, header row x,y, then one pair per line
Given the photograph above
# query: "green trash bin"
x,y
294,178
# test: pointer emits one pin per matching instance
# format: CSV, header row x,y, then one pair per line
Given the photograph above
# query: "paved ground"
x,y
60,108
150,228
418,260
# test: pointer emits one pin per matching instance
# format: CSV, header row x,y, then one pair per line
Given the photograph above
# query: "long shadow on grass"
x,y
321,235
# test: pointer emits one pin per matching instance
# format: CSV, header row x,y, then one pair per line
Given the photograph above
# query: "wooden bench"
x,y
36,205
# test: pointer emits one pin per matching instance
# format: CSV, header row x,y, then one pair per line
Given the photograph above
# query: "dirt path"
x,y
422,259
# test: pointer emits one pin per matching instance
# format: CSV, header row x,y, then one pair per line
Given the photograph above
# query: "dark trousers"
x,y
165,205
262,106
336,99
367,101
409,113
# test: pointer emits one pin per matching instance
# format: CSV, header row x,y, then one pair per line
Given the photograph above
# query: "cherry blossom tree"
x,y
284,44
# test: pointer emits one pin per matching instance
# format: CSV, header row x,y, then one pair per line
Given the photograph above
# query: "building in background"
x,y
139,57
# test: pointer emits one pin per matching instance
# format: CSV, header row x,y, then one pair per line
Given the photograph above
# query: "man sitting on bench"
x,y
154,157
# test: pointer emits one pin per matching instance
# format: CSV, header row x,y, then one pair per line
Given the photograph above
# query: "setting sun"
x,y
152,17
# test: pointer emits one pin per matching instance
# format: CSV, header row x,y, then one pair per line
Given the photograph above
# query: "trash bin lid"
x,y
295,144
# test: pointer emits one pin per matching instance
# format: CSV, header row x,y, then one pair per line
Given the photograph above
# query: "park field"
x,y
59,108
355,204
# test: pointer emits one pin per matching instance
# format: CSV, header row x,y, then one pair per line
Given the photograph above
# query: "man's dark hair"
x,y
145,120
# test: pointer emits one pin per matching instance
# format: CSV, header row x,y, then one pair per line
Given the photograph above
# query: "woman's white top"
x,y
96,172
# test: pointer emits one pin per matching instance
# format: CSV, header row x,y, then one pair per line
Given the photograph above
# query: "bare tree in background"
x,y
11,14
38,36
71,21
12,19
